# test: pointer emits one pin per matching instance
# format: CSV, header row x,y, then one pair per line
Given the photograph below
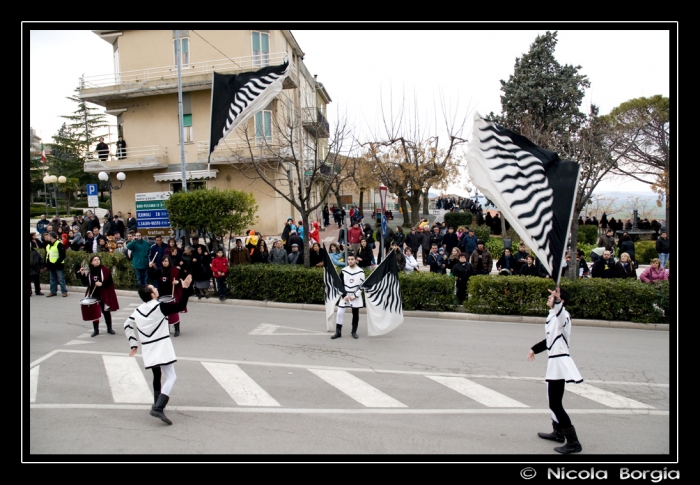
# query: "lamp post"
x,y
52,179
104,176
382,199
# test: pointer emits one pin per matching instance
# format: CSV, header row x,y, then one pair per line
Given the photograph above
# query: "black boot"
x,y
109,329
177,330
572,445
159,406
95,328
354,330
556,435
155,398
338,328
108,322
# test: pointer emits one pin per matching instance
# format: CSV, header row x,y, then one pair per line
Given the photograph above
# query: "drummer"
x,y
169,283
100,285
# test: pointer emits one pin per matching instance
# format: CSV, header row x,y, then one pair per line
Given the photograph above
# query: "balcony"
x,y
150,157
238,150
196,76
315,123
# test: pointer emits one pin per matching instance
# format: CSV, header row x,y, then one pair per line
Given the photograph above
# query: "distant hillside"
x,y
623,203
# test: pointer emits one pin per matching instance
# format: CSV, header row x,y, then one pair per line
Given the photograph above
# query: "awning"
x,y
190,174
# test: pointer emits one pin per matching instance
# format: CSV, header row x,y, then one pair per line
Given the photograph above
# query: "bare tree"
x,y
409,157
301,159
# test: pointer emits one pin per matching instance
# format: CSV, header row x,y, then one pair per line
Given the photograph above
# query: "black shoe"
x,y
206,296
110,331
177,330
159,406
199,297
354,331
572,444
40,294
95,329
338,328
556,435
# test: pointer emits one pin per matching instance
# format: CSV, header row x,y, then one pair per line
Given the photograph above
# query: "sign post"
x,y
92,196
152,215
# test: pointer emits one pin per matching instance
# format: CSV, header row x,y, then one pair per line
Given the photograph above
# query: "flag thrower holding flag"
x,y
237,97
532,187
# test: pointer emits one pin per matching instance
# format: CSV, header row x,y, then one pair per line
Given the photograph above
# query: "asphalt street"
x,y
258,381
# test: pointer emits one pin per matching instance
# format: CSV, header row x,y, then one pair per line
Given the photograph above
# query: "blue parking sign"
x,y
91,189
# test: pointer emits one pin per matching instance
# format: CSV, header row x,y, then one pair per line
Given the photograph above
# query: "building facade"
x,y
142,93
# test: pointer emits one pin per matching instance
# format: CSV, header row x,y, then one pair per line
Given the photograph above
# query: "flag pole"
x,y
178,57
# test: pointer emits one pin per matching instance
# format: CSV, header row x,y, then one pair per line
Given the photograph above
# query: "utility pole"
x,y
178,57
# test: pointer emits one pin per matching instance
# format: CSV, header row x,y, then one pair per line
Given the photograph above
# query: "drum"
x,y
91,309
175,317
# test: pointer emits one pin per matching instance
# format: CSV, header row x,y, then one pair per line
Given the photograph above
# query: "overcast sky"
x,y
360,68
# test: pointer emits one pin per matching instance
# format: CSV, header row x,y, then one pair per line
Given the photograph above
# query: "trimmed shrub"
x,y
123,273
586,248
456,219
495,247
588,234
603,299
427,291
645,251
482,232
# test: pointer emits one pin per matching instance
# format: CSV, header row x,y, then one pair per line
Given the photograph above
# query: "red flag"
x,y
43,153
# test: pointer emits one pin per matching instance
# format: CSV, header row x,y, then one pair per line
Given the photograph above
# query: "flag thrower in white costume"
x,y
532,187
383,298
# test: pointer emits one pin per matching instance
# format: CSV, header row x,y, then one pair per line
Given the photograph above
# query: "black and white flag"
x,y
332,289
532,187
237,97
383,298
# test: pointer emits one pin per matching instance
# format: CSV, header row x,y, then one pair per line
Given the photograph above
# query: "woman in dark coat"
x,y
201,272
507,262
462,272
100,285
364,254
624,268
627,246
260,253
530,268
316,258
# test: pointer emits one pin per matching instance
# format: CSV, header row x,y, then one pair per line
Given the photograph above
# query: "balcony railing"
x,y
131,154
314,121
230,66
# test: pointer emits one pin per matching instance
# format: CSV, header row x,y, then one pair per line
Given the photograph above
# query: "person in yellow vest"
x,y
55,256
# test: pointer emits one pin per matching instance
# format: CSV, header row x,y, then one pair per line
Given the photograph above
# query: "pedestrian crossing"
x,y
247,385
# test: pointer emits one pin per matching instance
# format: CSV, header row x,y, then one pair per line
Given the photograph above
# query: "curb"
x,y
457,315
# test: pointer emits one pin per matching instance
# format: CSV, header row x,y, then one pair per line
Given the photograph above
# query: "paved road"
x,y
270,381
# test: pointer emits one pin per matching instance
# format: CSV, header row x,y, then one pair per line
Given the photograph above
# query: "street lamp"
x,y
104,176
52,179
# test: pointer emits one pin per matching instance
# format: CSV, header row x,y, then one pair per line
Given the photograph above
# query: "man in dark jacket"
x,y
425,244
481,260
663,247
239,254
450,240
118,226
139,258
604,267
55,256
413,241
436,237
469,242
131,224
462,272
294,238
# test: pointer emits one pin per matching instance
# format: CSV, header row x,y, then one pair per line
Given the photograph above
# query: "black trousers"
x,y
555,394
37,284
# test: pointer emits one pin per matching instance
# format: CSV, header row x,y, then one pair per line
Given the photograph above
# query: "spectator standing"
x,y
663,247
627,246
294,239
139,258
469,242
355,234
121,148
277,254
260,253
201,273
102,150
529,268
55,257
413,241
425,244
435,261
155,255
239,254
507,263
326,216
296,256
288,228
363,255
480,259
118,226
336,255
219,268
131,224
450,240
462,272
608,241
316,256
41,224
36,265
624,268
411,263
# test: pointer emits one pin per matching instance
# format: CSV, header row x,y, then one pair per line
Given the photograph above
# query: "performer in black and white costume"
x,y
150,322
560,370
353,276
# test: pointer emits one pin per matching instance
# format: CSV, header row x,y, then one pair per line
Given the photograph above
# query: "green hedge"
x,y
296,284
457,219
482,232
123,273
601,299
588,234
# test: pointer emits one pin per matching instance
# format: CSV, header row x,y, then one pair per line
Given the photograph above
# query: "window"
x,y
263,125
187,128
261,49
184,50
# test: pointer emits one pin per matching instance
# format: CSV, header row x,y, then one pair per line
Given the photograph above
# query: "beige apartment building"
x,y
142,93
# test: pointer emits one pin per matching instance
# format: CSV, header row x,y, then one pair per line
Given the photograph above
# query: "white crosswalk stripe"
x,y
33,383
477,392
357,389
126,380
607,398
242,389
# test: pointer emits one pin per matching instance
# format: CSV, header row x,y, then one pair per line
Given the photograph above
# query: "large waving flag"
x,y
333,288
236,97
383,298
533,188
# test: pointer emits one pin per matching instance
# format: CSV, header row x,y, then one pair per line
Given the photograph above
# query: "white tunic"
x,y
352,279
560,365
151,326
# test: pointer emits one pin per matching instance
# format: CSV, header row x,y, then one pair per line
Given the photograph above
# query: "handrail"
x,y
132,152
236,64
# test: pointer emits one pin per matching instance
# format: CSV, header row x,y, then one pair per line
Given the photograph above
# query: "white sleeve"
x,y
130,332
